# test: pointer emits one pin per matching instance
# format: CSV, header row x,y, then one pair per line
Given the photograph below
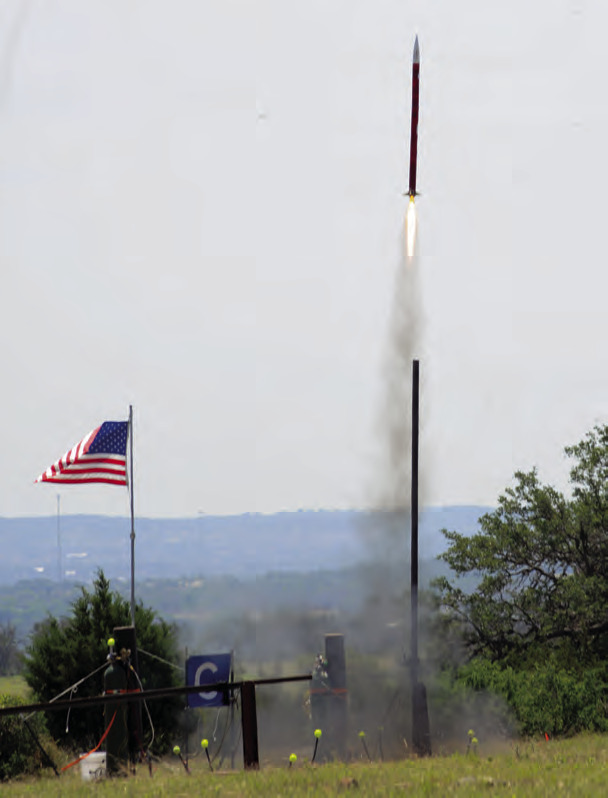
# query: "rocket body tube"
x,y
414,129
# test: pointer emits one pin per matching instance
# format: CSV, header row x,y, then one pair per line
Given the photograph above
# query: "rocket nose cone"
x,y
416,59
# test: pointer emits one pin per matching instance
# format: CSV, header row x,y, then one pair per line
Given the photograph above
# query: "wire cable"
x,y
227,726
160,659
67,718
145,703
217,720
72,688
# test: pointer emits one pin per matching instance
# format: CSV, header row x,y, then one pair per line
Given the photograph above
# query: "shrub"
x,y
546,698
20,753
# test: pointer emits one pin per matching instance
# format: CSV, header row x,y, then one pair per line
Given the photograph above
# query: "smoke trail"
x,y
387,530
392,493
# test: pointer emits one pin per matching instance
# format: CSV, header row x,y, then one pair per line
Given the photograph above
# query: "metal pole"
x,y
132,491
414,524
145,695
126,638
421,733
59,563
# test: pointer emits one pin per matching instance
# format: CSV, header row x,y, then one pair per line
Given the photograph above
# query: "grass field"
x,y
576,767
14,685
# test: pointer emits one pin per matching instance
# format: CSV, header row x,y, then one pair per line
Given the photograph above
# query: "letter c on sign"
x,y
212,668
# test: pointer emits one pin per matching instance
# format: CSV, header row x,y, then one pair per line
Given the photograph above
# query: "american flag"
x,y
99,457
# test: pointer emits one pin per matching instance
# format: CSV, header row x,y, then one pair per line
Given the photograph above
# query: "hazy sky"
x,y
200,214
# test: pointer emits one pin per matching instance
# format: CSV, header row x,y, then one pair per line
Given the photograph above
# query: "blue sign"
x,y
208,669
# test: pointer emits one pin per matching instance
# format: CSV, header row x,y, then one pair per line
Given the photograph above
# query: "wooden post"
x,y
186,709
233,740
249,721
338,700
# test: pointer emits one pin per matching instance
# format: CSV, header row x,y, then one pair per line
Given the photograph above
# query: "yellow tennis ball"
x,y
204,743
293,758
111,642
176,749
318,733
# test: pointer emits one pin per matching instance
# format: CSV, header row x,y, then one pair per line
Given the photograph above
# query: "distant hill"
x,y
241,546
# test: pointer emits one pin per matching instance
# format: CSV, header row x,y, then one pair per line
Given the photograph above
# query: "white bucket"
x,y
93,768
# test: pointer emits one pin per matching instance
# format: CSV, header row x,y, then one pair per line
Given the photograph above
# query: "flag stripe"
x,y
107,462
78,470
86,462
73,481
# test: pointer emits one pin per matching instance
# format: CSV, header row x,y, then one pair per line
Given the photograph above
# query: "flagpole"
x,y
131,485
59,558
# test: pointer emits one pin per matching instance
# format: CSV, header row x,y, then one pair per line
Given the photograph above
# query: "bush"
x,y
20,753
546,698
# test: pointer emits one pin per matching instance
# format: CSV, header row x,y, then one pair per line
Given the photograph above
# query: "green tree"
x,y
534,581
62,652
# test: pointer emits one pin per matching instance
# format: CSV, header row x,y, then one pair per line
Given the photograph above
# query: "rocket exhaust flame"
x,y
410,228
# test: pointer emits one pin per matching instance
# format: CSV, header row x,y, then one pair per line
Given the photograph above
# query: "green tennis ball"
x,y
362,734
111,642
204,743
176,750
293,758
318,733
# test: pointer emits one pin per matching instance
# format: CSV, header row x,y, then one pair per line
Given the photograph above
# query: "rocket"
x,y
414,131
